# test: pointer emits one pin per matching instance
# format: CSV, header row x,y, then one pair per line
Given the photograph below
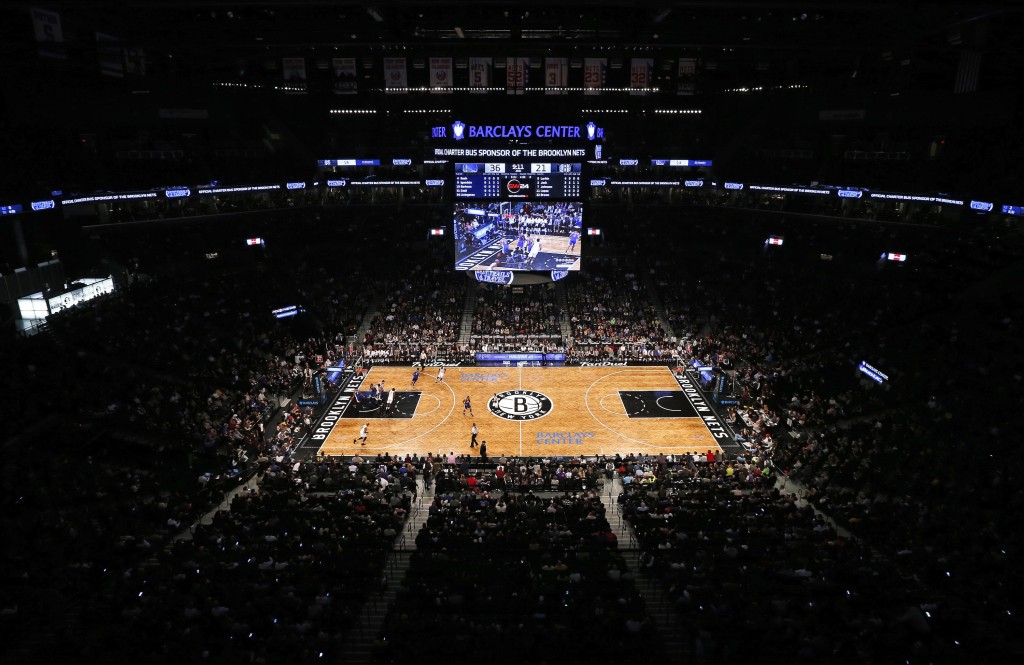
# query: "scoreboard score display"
x,y
518,180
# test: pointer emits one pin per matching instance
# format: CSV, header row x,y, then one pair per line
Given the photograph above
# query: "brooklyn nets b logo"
x,y
520,405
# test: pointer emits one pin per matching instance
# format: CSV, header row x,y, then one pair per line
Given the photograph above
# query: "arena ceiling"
x,y
777,25
207,36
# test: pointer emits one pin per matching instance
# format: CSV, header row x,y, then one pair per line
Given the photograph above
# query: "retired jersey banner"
x,y
293,70
479,73
594,74
640,70
517,75
344,76
48,33
685,77
556,75
441,74
396,76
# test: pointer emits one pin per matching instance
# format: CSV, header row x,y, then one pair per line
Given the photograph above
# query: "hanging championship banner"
x,y
441,74
594,74
396,77
109,55
344,76
640,75
134,61
293,70
556,75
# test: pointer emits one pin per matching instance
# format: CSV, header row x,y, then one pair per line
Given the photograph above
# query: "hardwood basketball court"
x,y
534,411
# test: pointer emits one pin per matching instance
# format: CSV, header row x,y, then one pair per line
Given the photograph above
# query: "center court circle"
x,y
520,405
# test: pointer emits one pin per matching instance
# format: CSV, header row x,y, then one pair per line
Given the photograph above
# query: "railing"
x,y
625,529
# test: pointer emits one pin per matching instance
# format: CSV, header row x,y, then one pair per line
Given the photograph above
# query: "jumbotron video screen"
x,y
514,235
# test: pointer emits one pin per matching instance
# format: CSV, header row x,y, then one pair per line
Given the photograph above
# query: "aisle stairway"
x,y
468,312
359,643
654,298
372,310
659,606
668,622
562,302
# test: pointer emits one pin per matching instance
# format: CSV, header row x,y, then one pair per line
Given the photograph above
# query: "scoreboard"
x,y
518,180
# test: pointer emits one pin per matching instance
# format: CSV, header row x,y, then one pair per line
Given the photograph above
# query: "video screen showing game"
x,y
511,235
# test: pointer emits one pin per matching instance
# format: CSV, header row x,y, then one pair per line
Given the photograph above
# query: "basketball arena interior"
x,y
662,332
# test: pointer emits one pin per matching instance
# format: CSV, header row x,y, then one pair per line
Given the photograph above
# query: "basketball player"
x,y
573,238
467,406
534,251
362,434
499,259
391,400
440,375
415,377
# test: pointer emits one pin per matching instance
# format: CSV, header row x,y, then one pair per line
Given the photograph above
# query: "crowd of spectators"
x,y
152,403
212,374
77,515
611,316
736,554
540,573
511,320
919,517
418,317
513,474
280,574
899,465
